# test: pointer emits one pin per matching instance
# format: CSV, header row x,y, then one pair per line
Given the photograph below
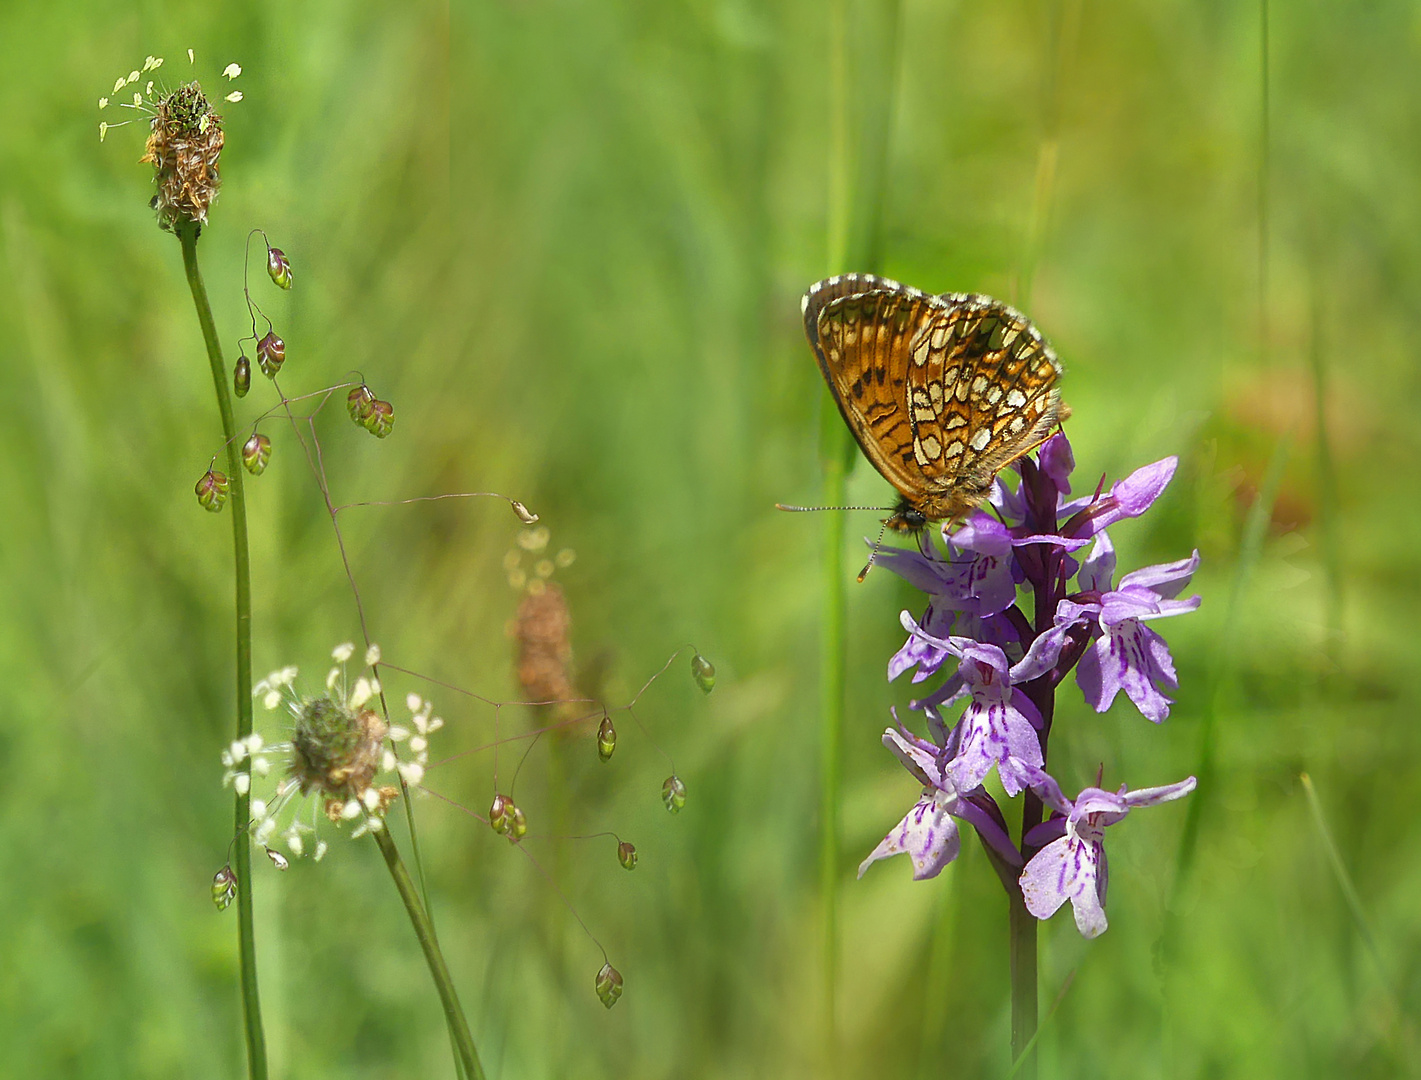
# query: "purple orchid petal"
x,y
1150,796
1128,498
1136,602
1048,878
1144,664
916,755
1098,570
1049,791
1057,461
983,534
1137,492
1172,576
1042,655
927,835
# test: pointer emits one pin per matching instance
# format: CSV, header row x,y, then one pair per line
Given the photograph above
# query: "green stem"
x,y
424,930
246,934
1023,987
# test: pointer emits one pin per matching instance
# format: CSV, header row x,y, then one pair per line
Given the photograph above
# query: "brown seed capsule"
x,y
606,739
626,855
212,490
278,267
256,452
673,793
703,671
608,985
242,376
271,354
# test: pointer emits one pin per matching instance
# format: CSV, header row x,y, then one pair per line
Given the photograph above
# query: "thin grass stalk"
x,y
242,575
835,446
438,970
849,248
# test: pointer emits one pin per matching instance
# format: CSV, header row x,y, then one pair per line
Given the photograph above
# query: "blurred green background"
x,y
568,241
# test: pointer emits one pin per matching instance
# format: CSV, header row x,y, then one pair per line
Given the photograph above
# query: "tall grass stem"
x,y
242,574
438,970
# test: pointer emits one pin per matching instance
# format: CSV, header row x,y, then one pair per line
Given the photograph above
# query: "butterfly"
x,y
941,392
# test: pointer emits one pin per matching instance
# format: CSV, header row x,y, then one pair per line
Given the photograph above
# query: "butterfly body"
x,y
941,392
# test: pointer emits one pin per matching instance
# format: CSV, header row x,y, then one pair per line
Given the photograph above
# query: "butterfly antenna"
x,y
872,555
814,509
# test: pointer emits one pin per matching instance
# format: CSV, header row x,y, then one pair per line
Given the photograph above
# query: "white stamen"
x,y
412,771
399,734
350,810
241,783
414,703
258,808
320,850
362,693
343,652
372,656
231,71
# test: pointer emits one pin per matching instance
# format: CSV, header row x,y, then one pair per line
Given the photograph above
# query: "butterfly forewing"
x,y
940,391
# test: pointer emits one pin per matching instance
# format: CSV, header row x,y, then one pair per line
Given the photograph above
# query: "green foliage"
x,y
568,242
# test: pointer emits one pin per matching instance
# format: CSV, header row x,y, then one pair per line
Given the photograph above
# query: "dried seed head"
x,y
271,354
224,887
703,671
212,490
278,267
242,376
606,739
256,452
673,793
608,985
626,855
542,629
183,147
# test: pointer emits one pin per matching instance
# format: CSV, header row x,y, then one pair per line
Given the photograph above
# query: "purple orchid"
x,y
1128,655
928,835
1025,556
1001,725
1073,867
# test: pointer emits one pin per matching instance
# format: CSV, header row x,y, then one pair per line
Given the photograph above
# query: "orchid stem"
x,y
246,934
